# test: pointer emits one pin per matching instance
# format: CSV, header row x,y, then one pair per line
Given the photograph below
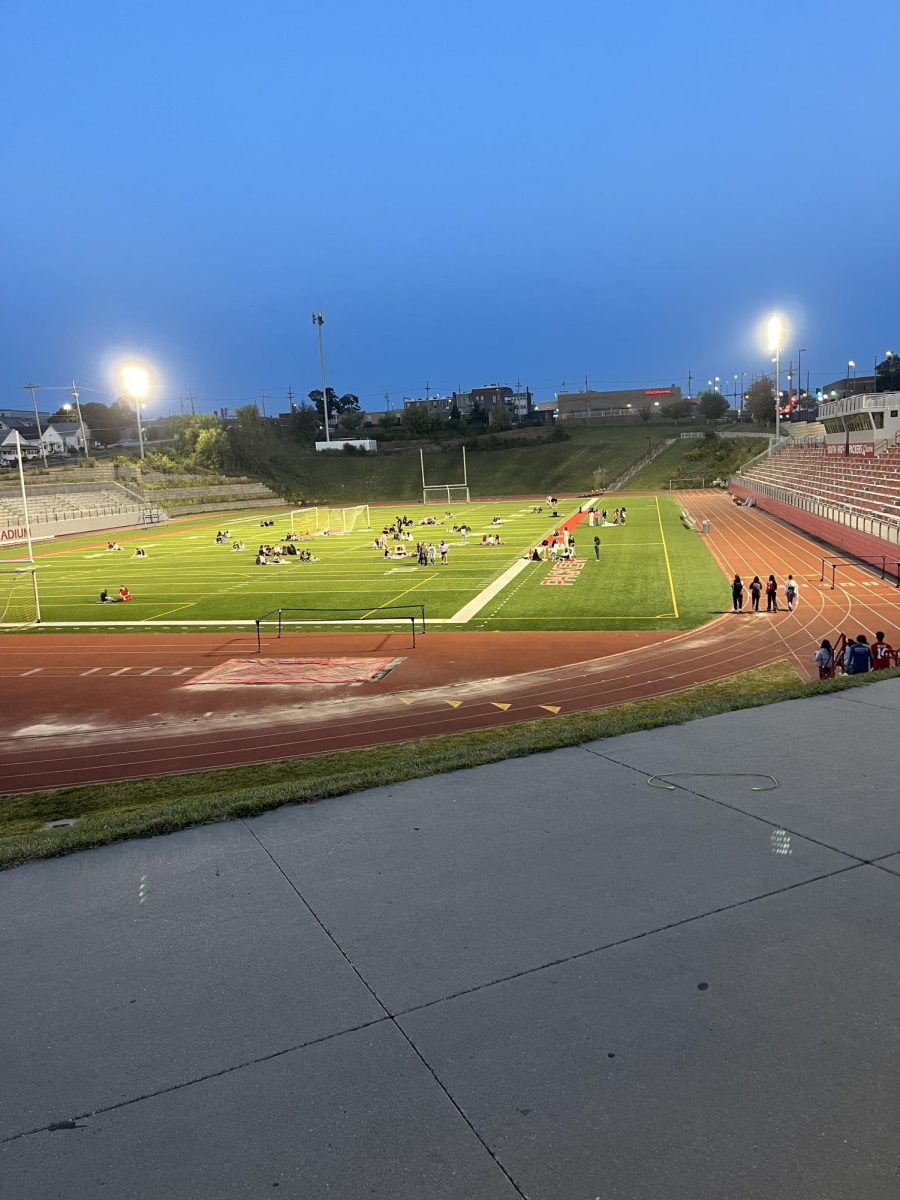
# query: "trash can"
x,y
705,526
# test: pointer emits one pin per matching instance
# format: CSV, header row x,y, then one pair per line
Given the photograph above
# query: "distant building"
x,y
595,406
859,385
12,418
65,435
519,402
438,406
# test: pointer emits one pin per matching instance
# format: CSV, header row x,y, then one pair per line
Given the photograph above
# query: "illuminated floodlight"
x,y
137,382
775,332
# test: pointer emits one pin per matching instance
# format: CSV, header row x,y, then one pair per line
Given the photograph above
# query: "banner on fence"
x,y
856,449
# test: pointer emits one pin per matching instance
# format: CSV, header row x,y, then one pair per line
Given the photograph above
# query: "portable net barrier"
x,y
887,567
284,620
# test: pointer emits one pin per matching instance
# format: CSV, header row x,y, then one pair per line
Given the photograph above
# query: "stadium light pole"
x,y
851,366
137,383
318,319
775,329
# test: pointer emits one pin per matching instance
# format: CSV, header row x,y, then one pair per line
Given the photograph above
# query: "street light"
x,y
775,329
851,366
137,383
318,319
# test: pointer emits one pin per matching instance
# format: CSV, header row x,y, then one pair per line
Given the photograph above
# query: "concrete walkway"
x,y
543,978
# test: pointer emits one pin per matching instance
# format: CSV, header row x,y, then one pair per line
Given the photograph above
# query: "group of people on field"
x,y
756,587
858,657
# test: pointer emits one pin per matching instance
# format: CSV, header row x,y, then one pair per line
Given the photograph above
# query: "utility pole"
x,y
790,381
318,319
427,389
263,397
33,387
690,377
290,397
181,404
586,387
387,402
74,393
190,397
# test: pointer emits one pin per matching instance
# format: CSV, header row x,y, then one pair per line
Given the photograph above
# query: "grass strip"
x,y
145,807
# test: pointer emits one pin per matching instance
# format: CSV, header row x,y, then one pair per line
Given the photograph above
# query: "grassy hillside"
x,y
692,458
535,469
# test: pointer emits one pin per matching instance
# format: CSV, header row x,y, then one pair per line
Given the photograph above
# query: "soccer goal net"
x,y
304,520
345,520
19,602
441,492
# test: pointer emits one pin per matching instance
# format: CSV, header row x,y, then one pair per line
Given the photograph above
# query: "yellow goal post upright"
x,y
432,493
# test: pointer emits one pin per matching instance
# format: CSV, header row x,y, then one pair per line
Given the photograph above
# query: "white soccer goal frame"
x,y
446,491
299,512
344,520
18,571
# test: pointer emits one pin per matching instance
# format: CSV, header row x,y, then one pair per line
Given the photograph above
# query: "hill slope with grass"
x,y
690,460
578,462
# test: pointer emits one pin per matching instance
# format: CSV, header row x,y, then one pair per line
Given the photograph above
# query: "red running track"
x,y
94,708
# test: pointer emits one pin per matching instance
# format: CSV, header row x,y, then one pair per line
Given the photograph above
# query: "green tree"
x,y
337,405
712,405
760,401
477,416
678,410
645,414
419,421
212,450
455,418
352,420
109,423
304,425
887,373
501,417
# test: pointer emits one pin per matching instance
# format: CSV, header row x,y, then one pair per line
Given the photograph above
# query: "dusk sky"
x,y
472,192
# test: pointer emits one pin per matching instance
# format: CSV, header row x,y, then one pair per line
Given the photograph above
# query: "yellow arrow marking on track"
x,y
504,707
454,703
551,708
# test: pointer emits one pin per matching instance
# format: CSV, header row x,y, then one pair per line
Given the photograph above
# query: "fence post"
x,y
279,621
258,638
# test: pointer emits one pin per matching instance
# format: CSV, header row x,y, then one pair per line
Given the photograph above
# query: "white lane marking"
x,y
183,671
150,671
33,671
121,670
92,671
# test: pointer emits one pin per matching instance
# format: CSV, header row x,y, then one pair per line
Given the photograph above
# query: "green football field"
x,y
652,572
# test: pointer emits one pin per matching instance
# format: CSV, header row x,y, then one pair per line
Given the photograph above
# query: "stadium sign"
x,y
13,534
658,392
857,449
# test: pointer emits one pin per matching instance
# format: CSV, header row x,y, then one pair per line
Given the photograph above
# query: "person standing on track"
x,y
597,547
791,592
771,594
737,593
755,593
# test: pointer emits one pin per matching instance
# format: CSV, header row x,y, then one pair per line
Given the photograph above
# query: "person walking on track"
x,y
755,593
791,592
771,594
737,593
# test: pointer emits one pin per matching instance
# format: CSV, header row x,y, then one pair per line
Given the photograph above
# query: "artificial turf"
x,y
652,572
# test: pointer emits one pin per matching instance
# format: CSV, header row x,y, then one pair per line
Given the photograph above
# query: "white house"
x,y
61,436
31,443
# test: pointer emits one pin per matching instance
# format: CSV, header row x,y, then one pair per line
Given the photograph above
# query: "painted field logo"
x,y
13,535
564,573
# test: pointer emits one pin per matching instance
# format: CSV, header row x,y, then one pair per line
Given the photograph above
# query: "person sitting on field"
x,y
124,593
106,598
400,551
535,555
261,560
139,553
238,546
113,546
496,521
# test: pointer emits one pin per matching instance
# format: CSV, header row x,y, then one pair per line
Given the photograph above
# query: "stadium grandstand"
x,y
845,473
74,508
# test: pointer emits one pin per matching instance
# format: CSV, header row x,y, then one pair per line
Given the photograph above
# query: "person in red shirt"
x,y
124,593
882,653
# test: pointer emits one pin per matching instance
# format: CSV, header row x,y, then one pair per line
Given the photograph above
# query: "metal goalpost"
x,y
432,492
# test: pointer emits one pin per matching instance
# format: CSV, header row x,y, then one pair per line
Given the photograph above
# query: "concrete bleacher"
x,y
864,485
72,506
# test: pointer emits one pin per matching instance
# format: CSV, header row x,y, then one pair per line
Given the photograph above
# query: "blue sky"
x,y
472,193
